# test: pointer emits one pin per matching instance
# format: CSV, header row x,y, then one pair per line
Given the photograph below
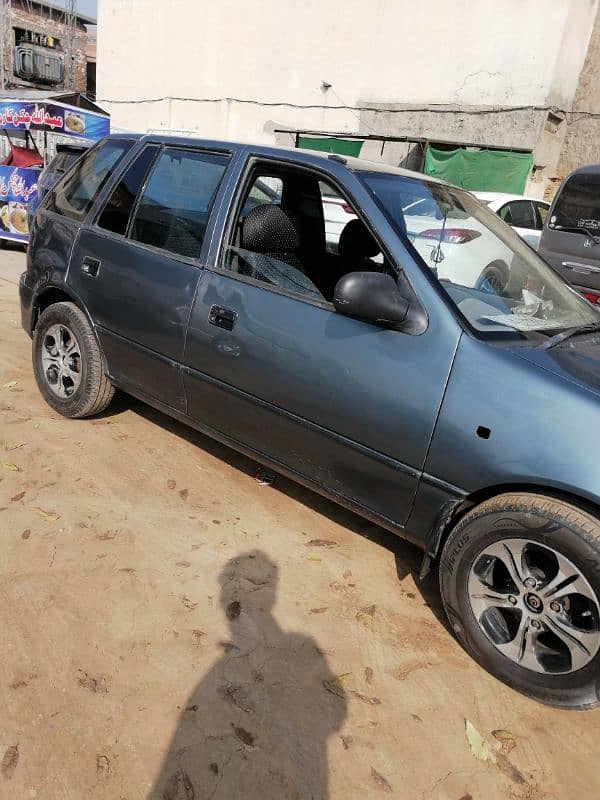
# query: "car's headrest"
x,y
356,241
269,229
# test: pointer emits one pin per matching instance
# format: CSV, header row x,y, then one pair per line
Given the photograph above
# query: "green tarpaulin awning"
x,y
480,170
330,144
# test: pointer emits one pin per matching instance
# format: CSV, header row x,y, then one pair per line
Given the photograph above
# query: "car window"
x,y
577,205
75,193
266,189
173,211
297,241
494,279
115,215
542,212
520,214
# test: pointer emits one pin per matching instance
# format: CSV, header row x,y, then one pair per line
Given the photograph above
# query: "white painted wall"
x,y
467,52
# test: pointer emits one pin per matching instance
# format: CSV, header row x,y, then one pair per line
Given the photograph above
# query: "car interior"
x,y
280,236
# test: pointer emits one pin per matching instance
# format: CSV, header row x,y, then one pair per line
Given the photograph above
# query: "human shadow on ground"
x,y
257,724
407,557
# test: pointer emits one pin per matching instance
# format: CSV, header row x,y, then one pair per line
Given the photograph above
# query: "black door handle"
x,y
90,266
222,317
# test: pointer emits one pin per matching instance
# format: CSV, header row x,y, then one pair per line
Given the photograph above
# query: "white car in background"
x,y
525,214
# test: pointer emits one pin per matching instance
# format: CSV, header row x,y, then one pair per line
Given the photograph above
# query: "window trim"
x,y
236,205
99,207
536,206
162,146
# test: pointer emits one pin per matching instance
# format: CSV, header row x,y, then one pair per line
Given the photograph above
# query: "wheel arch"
x,y
50,295
450,515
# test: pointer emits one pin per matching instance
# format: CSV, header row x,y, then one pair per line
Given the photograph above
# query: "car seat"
x,y
269,245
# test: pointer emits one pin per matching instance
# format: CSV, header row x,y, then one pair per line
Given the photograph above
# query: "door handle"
x,y
576,266
222,317
90,266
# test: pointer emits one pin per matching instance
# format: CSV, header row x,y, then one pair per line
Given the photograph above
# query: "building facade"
x,y
492,73
40,49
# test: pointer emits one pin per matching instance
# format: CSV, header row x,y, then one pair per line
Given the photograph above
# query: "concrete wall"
x,y
453,72
582,126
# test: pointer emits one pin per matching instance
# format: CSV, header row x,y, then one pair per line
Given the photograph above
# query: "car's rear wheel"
x,y
520,582
67,363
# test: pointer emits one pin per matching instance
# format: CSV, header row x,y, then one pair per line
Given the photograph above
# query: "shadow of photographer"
x,y
257,724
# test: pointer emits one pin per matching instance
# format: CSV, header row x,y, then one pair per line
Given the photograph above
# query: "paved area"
x,y
173,629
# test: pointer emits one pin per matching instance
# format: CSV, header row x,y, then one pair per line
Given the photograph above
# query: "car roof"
x,y
591,169
505,197
315,158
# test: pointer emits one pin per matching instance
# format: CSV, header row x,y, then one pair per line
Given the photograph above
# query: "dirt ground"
x,y
173,629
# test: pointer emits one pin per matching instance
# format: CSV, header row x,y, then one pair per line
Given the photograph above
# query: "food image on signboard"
x,y
4,221
17,217
74,123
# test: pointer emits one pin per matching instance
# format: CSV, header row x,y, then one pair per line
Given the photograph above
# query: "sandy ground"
x,y
173,629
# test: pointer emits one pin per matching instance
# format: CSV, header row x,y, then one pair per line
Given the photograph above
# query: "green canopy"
x,y
480,170
329,144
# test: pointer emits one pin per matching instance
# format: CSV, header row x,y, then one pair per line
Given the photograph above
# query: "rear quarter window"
x,y
75,193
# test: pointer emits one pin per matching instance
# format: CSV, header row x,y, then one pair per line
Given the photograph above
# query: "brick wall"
x,y
49,24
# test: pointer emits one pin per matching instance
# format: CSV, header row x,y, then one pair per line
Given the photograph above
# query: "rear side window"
x,y
74,195
116,213
173,211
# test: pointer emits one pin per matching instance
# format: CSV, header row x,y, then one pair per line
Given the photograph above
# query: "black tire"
x,y
571,534
94,391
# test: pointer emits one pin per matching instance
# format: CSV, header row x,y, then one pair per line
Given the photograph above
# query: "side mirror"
x,y
373,297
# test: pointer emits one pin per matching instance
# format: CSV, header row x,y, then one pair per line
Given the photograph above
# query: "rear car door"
x,y
270,365
136,264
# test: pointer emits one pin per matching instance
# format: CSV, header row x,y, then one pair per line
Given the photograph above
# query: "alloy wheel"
x,y
61,361
535,606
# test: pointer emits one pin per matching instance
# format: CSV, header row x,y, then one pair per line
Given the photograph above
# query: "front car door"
x,y
136,264
344,405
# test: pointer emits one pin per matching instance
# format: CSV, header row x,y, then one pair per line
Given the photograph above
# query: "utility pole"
x,y
5,43
71,23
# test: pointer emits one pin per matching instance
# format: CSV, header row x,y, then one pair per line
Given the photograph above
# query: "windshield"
x,y
498,283
578,204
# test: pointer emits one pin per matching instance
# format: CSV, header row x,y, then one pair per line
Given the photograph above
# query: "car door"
x,y
136,265
340,403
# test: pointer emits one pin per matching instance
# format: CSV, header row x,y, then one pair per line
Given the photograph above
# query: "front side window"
x,y
495,280
577,207
301,239
115,215
173,211
74,195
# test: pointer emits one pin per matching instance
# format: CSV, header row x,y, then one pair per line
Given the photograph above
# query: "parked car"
x,y
456,413
571,236
525,214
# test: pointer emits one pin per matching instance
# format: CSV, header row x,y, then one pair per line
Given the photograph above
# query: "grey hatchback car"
x,y
393,376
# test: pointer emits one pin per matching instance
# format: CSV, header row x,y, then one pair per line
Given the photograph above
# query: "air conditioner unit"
x,y
38,64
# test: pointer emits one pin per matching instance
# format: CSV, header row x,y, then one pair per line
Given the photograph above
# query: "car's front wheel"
x,y
67,363
520,582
